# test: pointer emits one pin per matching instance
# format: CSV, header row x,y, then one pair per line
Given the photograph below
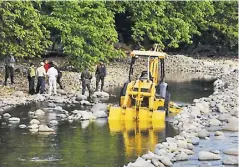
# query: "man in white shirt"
x,y
41,74
52,74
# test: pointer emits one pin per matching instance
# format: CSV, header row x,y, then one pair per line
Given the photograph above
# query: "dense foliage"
x,y
87,31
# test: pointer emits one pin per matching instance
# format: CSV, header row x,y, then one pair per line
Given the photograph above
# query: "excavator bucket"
x,y
115,114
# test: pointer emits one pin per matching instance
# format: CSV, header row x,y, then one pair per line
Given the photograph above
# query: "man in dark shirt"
x,y
9,69
85,78
100,75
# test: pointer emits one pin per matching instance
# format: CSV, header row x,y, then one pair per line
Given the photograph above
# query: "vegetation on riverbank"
x,y
89,31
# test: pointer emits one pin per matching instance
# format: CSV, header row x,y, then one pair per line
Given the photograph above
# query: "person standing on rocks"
x,y
52,74
46,64
41,74
9,69
31,79
59,76
85,79
100,75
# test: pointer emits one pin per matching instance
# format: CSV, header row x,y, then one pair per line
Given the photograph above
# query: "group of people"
x,y
49,71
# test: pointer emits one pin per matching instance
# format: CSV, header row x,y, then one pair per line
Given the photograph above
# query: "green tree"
x,y
86,30
21,31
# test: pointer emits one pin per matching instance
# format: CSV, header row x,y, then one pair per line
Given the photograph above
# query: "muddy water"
x,y
87,144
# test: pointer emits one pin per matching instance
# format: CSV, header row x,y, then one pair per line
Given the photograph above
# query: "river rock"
x,y
206,155
33,130
101,94
214,122
181,156
224,117
218,133
80,97
203,134
39,113
221,109
61,91
100,114
45,128
22,126
195,111
85,124
230,161
52,105
187,151
53,122
18,94
14,120
157,163
166,161
140,162
182,144
235,112
85,102
231,151
34,121
232,124
6,115
99,106
85,115
58,108
33,126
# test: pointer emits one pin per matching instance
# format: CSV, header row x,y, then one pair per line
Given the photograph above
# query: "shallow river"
x,y
88,144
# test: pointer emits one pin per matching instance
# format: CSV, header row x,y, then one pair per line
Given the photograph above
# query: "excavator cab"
x,y
140,99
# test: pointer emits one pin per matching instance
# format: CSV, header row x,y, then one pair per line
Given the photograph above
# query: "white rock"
x,y
22,126
206,155
53,122
224,117
235,112
214,122
203,134
58,108
45,128
195,111
85,124
166,161
218,133
232,124
172,147
182,144
231,151
100,114
190,146
80,97
187,151
34,121
101,94
230,161
33,130
51,105
182,156
18,94
33,126
39,113
6,115
85,102
140,162
221,109
14,120
85,115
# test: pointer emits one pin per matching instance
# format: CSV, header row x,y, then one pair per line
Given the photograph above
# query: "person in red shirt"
x,y
47,65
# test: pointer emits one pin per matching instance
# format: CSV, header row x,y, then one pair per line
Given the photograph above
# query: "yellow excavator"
x,y
146,98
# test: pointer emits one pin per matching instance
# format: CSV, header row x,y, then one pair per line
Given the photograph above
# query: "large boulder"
x,y
99,110
232,124
80,97
181,156
206,155
140,162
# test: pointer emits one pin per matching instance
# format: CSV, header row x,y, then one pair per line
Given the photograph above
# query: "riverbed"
x,y
88,143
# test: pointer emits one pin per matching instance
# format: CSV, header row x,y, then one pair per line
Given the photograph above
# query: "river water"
x,y
88,144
